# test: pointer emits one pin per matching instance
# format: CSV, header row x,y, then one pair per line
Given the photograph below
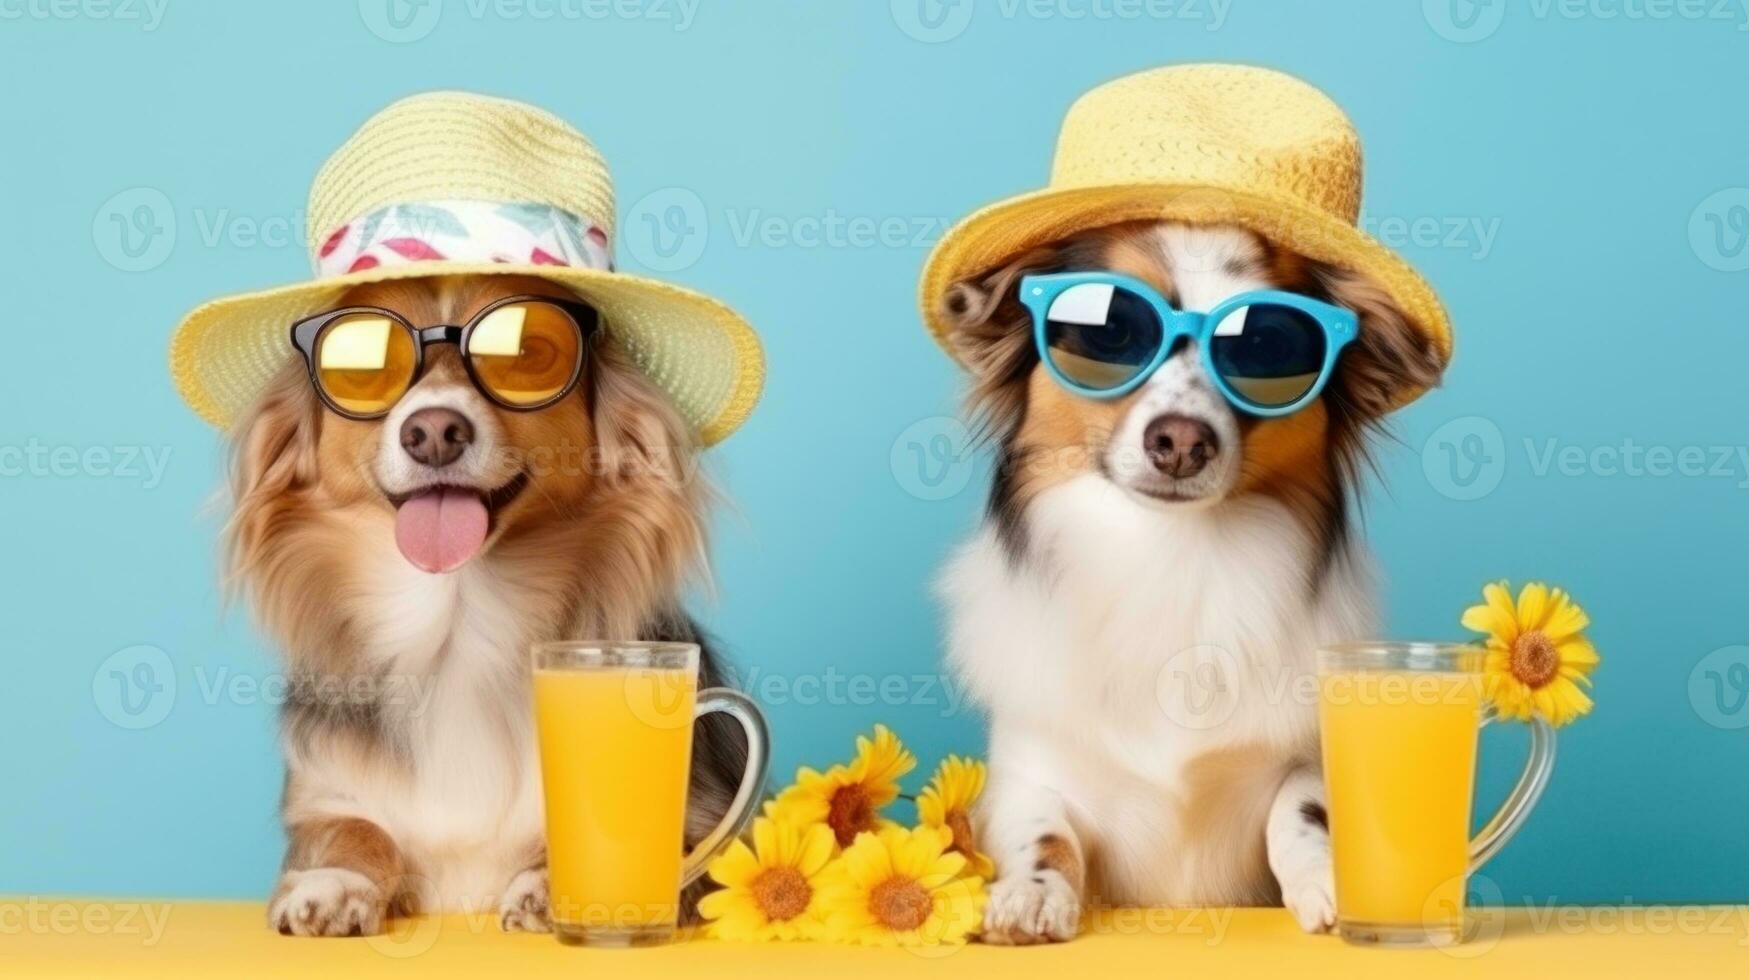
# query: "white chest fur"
x,y
465,808
1152,666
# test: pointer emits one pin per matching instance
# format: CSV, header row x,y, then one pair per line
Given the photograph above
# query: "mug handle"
x,y
1531,783
741,812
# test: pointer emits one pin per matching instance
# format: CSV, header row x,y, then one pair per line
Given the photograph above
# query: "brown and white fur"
x,y
1139,611
412,780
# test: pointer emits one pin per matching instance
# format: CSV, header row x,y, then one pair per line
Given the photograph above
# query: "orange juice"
x,y
1399,764
615,748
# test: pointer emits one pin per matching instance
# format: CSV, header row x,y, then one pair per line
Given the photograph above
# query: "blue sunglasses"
x,y
1102,335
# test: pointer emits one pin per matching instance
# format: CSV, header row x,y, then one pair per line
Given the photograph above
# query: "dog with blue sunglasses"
x,y
1181,414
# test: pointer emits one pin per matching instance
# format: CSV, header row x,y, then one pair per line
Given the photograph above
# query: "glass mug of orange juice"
x,y
1400,724
614,722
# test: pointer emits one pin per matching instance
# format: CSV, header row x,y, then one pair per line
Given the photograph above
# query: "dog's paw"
x,y
1023,910
1312,900
524,905
326,902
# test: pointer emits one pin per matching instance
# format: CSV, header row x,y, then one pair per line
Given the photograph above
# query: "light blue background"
x,y
1587,146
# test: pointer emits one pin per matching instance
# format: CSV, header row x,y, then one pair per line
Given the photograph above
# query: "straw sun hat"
x,y
449,183
1200,144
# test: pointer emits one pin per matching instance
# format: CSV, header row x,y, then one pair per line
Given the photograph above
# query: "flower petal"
x,y
1577,652
765,842
1566,619
815,850
1486,619
1499,598
735,867
1533,606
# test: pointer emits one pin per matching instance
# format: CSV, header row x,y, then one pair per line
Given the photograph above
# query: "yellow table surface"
x,y
43,937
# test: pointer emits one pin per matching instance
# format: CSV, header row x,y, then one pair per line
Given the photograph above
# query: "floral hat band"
x,y
464,231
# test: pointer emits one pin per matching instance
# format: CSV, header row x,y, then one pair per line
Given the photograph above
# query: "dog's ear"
x,y
273,460
639,434
1389,356
644,531
992,334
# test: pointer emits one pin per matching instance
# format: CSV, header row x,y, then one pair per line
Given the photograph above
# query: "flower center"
x,y
1534,659
961,825
850,814
781,893
900,904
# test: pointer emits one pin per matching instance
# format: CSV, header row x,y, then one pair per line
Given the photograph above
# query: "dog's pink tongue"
x,y
440,529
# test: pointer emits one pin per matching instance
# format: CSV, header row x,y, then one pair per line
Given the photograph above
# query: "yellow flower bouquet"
x,y
825,863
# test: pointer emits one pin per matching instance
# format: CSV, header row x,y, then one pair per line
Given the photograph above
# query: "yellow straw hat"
x,y
450,183
1202,144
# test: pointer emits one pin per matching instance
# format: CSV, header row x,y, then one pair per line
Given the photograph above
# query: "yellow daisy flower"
x,y
1538,658
902,887
770,890
947,802
848,798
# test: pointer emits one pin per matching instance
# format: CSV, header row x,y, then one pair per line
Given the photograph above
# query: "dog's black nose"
x,y
1180,446
436,436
